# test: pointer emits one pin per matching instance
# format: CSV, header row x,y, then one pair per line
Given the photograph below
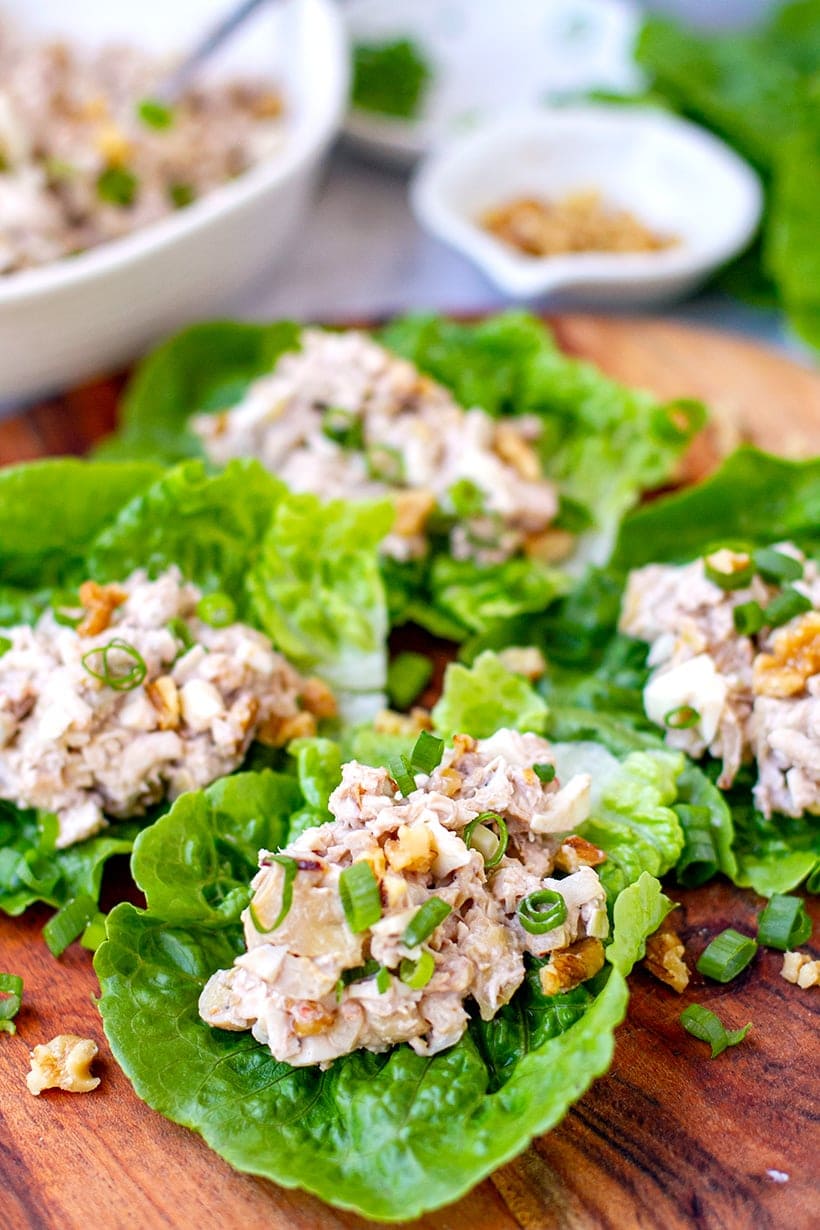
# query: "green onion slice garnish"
x,y
289,867
698,860
424,922
69,923
11,987
218,610
735,577
66,609
748,618
677,421
427,753
728,954
182,195
416,974
544,772
784,923
118,677
383,980
155,114
94,933
785,606
702,1023
407,675
542,911
5,645
117,186
399,769
359,973
385,464
344,427
478,834
361,899
777,567
466,498
684,717
179,629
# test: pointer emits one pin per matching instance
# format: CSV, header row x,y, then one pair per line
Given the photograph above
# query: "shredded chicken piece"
x,y
524,660
63,1063
89,729
739,696
801,970
345,418
304,988
665,953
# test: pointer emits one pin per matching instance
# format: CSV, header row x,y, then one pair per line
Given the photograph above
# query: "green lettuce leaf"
x,y
775,855
387,1135
638,912
479,699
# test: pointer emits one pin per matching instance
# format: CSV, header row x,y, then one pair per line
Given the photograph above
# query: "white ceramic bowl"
x,y
674,176
72,319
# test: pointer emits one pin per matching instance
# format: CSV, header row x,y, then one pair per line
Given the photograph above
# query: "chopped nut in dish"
x,y
579,222
63,1063
665,955
147,697
376,928
799,968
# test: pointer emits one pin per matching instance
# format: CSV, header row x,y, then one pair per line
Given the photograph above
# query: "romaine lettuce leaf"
x,y
638,912
775,855
386,1135
479,699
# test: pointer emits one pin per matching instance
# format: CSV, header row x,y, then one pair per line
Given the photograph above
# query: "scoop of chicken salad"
x,y
145,690
426,890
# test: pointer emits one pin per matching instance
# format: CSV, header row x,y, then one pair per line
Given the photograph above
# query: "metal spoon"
x,y
177,81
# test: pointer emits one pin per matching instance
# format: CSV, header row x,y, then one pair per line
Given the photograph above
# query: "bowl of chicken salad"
x,y
414,716
124,211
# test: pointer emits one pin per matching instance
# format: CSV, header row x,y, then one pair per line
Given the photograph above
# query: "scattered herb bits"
x,y
544,772
155,114
542,911
702,1023
69,923
424,922
427,753
748,618
727,956
117,186
785,606
729,569
218,610
289,869
11,997
784,924
684,717
777,567
698,860
479,835
399,769
118,665
361,900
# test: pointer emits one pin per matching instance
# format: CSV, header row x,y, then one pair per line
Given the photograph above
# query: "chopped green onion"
x,y
748,618
181,195
11,986
94,933
289,868
728,954
344,427
785,606
5,645
67,610
424,922
427,753
702,1023
416,974
681,718
359,973
217,609
119,680
466,499
698,860
117,186
542,911
399,769
385,464
407,675
361,899
69,923
735,578
155,114
784,923
544,772
776,567
179,629
478,828
57,170
677,421
390,78
383,980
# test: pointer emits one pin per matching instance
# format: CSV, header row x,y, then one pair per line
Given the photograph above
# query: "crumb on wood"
x,y
63,1063
665,957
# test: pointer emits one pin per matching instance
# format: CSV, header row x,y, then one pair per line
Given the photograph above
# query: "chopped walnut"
x,y
577,222
63,1063
665,957
569,967
164,696
411,850
795,657
318,699
310,1018
449,782
576,852
113,144
550,546
388,722
99,602
800,969
278,731
413,507
524,660
514,449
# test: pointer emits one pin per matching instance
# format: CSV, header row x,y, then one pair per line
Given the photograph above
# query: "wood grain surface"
x,y
668,1139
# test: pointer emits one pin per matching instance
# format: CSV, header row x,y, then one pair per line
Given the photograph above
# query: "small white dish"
x,y
489,56
75,318
674,176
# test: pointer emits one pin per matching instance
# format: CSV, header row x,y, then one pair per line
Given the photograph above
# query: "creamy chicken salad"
x,y
426,891
344,417
88,154
735,656
147,689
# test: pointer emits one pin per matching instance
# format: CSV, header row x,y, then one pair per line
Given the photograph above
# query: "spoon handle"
x,y
210,42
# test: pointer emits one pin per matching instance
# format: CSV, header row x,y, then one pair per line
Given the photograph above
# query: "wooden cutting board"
x,y
668,1139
